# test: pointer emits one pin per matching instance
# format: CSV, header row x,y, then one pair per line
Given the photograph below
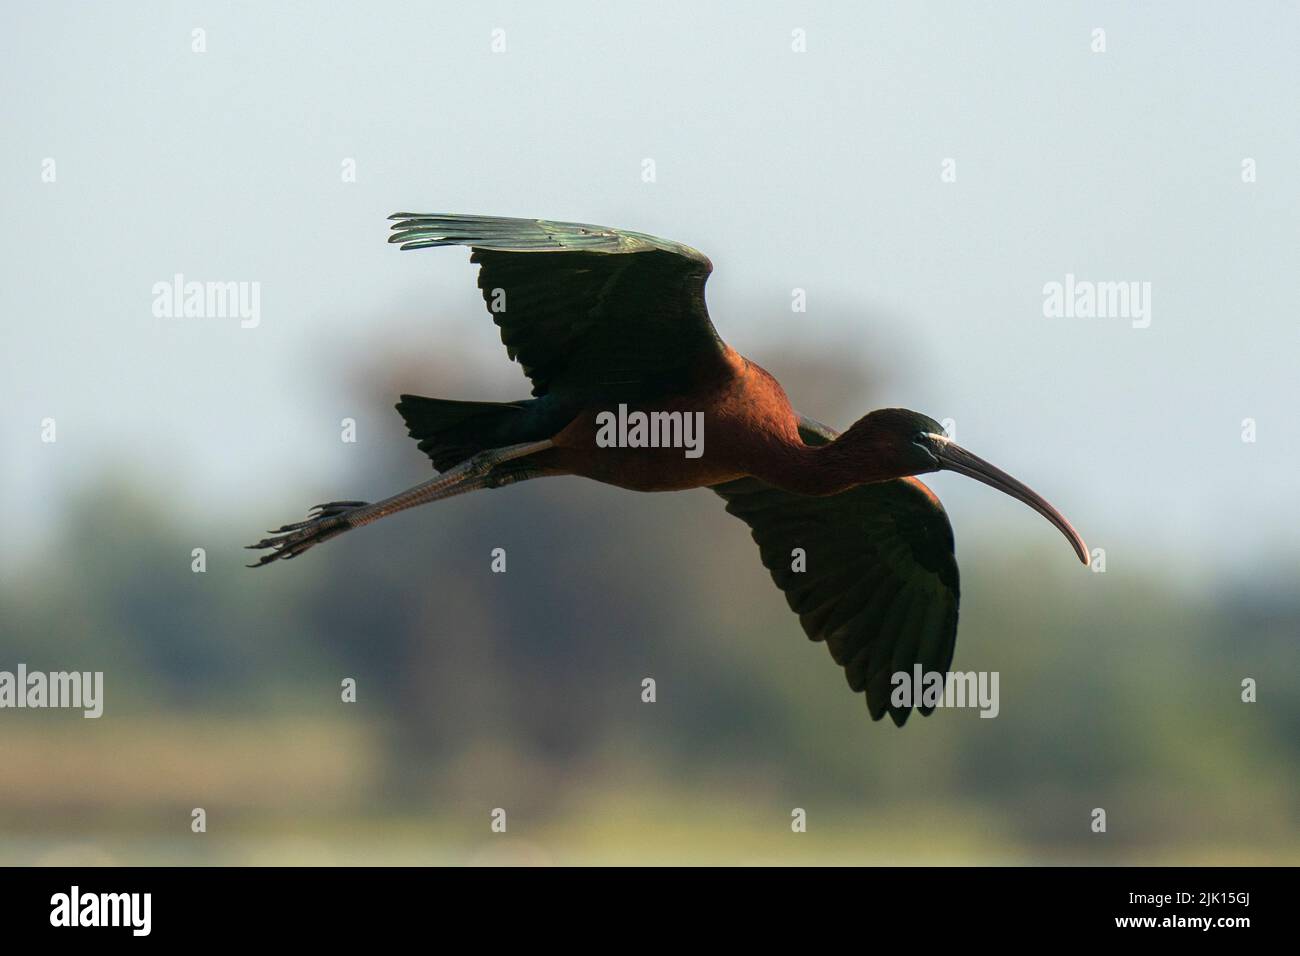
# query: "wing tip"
x,y
898,715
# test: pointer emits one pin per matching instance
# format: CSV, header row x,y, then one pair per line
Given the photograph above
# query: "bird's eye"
x,y
923,441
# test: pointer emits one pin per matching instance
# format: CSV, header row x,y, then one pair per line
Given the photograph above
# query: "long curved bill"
x,y
952,457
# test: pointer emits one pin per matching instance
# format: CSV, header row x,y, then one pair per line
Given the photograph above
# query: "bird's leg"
x,y
333,518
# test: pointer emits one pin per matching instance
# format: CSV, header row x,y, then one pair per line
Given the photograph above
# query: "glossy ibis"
x,y
605,321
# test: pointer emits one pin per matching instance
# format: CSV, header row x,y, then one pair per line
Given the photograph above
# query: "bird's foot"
x,y
323,522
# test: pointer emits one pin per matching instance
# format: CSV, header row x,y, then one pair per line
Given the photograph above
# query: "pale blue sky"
x,y
818,170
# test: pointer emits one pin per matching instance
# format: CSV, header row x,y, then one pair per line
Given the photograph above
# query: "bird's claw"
x,y
336,507
288,541
329,509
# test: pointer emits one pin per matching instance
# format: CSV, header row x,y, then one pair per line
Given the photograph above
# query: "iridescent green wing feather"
x,y
586,310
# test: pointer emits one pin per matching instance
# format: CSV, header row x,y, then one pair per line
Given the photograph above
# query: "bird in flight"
x,y
612,330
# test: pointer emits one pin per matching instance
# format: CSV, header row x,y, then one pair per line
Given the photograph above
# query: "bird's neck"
x,y
854,458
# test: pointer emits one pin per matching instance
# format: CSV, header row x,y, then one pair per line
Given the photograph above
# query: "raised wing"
x,y
587,310
880,586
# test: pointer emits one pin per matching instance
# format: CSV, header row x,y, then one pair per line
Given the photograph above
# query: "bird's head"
x,y
909,443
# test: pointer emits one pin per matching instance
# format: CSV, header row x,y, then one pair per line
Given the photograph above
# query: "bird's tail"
x,y
450,431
